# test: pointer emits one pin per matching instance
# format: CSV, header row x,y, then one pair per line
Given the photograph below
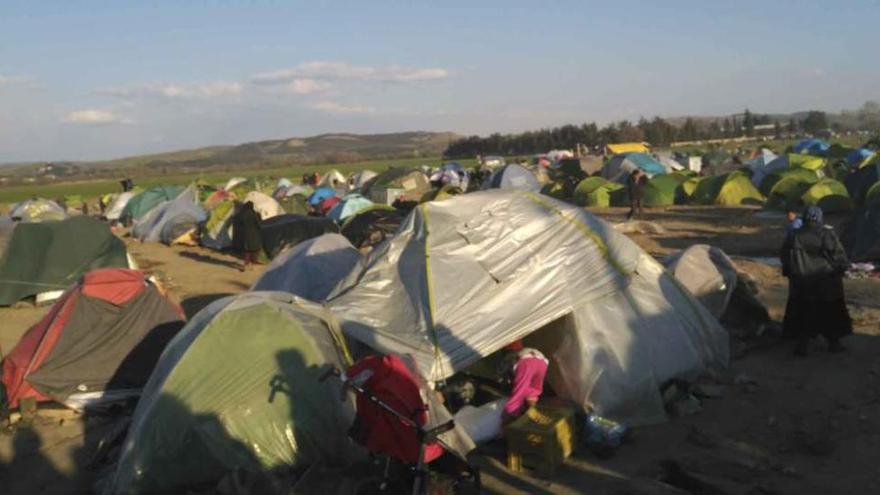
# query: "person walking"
x,y
246,235
814,262
636,186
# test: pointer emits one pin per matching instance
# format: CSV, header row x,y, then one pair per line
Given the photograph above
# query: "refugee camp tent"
x,y
860,181
397,184
98,343
37,210
858,157
50,256
815,147
171,220
707,272
758,165
621,148
828,194
334,180
143,202
442,193
493,161
862,238
788,188
319,195
575,169
731,189
115,211
312,269
217,230
797,174
233,183
264,205
370,227
284,231
664,190
595,192
512,176
360,179
669,163
713,159
349,205
239,388
619,167
465,277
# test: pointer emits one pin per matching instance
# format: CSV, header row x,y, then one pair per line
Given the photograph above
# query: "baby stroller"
x,y
391,419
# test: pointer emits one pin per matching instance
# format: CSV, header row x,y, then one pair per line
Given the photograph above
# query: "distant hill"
x,y
325,148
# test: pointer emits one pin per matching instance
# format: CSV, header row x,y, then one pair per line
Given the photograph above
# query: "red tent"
x,y
103,335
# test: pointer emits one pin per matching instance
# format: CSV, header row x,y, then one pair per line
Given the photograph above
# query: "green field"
x,y
90,189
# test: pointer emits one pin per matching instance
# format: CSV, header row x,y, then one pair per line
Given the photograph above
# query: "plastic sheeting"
x,y
707,272
238,388
466,276
619,167
171,219
115,210
312,269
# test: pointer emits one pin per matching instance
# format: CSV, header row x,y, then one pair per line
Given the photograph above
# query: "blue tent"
x,y
513,176
811,147
350,205
855,158
320,195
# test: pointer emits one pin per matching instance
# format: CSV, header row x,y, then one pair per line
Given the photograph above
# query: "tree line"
x,y
657,131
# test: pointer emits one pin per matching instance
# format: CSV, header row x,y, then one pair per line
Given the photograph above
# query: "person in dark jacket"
x,y
246,235
814,262
636,189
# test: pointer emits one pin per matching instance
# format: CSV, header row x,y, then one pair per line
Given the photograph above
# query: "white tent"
x,y
464,277
264,205
359,179
231,183
707,272
312,268
334,180
115,210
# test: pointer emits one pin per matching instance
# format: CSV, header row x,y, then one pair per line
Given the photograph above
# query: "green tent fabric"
x,y
406,183
217,231
554,189
49,256
731,189
689,187
808,162
798,174
595,192
141,204
664,190
828,194
239,388
787,192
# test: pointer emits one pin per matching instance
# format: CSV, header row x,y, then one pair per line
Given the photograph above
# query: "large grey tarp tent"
x,y
238,388
311,269
707,272
466,276
513,176
171,219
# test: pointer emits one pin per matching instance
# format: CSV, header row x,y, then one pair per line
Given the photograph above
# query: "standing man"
x,y
637,182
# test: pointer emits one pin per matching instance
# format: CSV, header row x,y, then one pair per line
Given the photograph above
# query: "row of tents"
x,y
237,386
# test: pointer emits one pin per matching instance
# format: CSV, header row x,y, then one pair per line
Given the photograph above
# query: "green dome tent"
x,y
141,204
238,388
595,191
800,174
731,189
787,191
217,230
689,187
664,190
828,194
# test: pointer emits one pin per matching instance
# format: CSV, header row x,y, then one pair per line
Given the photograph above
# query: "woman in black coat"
x,y
246,234
814,262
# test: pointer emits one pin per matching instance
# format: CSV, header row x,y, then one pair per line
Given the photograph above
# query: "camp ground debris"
x,y
312,269
98,342
239,388
37,210
513,176
50,256
463,278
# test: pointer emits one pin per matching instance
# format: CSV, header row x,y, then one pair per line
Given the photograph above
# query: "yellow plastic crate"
x,y
541,439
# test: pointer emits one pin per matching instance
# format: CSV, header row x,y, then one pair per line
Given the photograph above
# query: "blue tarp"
x,y
320,195
856,157
812,147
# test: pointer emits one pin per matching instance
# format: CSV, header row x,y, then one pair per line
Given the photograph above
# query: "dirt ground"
x,y
783,425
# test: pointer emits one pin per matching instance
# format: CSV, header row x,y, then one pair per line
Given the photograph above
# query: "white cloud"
x,y
306,86
204,90
93,116
9,80
331,71
340,109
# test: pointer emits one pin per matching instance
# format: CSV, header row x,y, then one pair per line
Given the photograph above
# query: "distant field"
x,y
89,189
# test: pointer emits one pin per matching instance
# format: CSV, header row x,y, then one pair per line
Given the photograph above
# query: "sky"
x,y
87,80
